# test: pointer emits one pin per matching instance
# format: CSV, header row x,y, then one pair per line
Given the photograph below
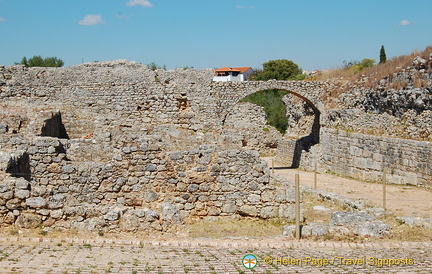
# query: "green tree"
x,y
53,62
281,69
383,56
38,61
23,61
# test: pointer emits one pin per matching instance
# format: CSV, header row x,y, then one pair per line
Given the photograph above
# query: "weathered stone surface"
x,y
176,155
268,212
28,220
416,221
248,210
21,183
151,196
289,230
22,193
193,187
112,215
350,218
229,208
375,229
56,201
315,229
68,169
13,204
419,63
288,211
171,213
56,214
36,202
3,128
4,160
9,218
4,188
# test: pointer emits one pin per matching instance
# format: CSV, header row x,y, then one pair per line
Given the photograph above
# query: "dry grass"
x,y
400,233
404,233
380,71
247,227
316,216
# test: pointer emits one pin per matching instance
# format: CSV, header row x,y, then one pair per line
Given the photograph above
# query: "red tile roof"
x,y
239,69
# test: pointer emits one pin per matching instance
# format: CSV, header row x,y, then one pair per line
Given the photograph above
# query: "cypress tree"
x,y
383,57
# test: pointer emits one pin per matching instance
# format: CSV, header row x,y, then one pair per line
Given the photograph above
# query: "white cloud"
x,y
2,19
404,23
144,3
91,19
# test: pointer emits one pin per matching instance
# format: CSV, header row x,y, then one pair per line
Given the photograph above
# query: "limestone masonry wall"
x,y
145,188
117,146
366,157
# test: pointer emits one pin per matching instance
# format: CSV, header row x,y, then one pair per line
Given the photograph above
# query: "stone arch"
x,y
304,143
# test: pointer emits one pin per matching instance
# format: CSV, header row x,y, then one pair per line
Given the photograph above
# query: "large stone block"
x,y
350,218
36,202
375,229
28,220
248,210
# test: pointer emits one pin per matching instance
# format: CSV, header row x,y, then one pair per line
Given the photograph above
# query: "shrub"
x,y
154,66
274,108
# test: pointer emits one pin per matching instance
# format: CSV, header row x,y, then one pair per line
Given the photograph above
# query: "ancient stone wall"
x,y
246,126
144,187
115,145
366,157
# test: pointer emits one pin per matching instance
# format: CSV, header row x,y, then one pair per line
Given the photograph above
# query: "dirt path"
x,y
401,200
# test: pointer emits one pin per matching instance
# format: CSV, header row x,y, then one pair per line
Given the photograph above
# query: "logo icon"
x,y
250,261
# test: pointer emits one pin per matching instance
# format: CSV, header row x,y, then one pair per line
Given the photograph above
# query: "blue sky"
x,y
316,34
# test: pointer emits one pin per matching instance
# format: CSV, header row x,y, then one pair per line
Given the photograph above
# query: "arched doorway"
x,y
309,137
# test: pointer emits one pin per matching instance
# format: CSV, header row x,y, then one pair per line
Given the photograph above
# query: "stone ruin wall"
x,y
137,151
145,188
385,127
148,149
365,157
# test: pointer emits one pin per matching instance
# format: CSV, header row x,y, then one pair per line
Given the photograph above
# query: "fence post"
x,y
385,190
297,206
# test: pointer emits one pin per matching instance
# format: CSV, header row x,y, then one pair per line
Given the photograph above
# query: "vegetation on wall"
x,y
154,66
274,108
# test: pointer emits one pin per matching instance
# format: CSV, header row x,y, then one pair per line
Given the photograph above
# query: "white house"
x,y
226,74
